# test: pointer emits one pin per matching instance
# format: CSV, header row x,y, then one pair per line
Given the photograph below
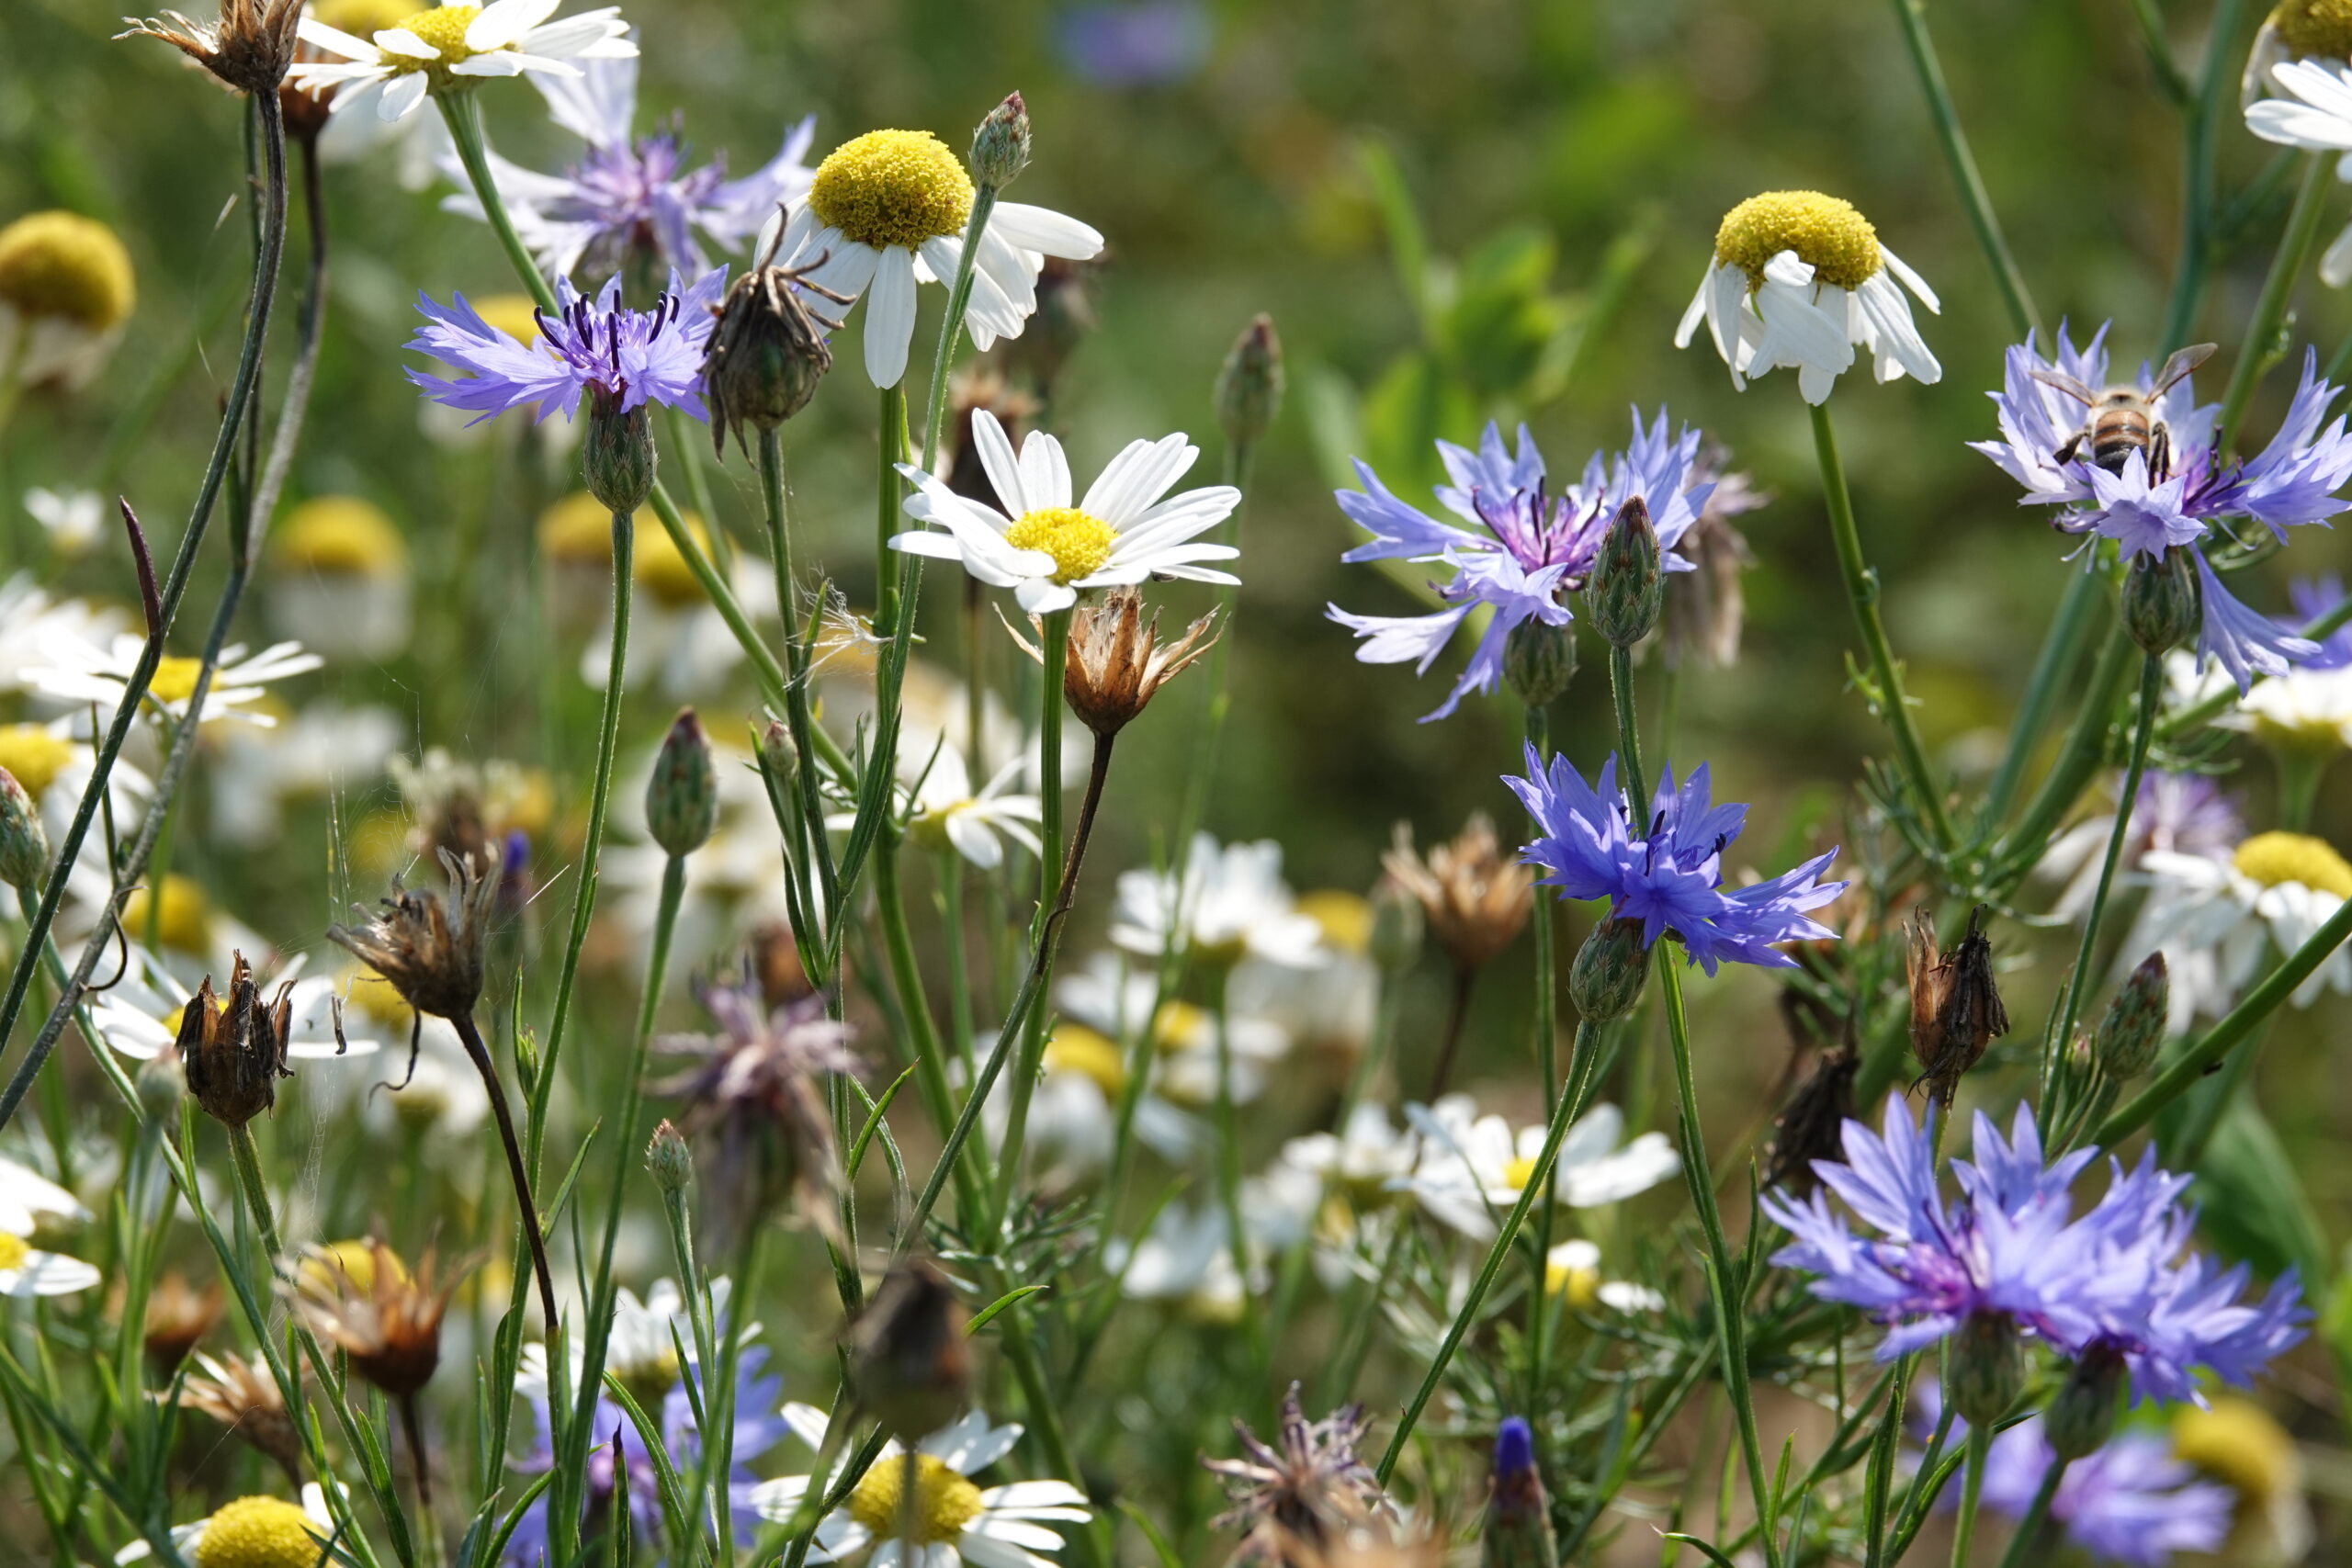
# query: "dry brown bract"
x,y
428,947
1956,1007
1117,661
1813,1126
244,1398
386,1317
1476,898
234,1051
1307,1498
248,49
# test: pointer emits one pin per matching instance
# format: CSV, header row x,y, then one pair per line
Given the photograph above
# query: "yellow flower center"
x,y
33,756
2314,26
2237,1443
14,1251
341,536
365,19
944,1502
661,567
516,315
257,1532
1076,1049
648,1382
174,680
892,187
1345,918
1518,1173
1079,542
1178,1025
577,529
64,265
185,922
1826,233
1578,1286
443,27
357,1262
2276,859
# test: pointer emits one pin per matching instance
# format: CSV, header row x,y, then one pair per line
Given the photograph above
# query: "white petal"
x,y
890,317
504,21
1042,596
997,460
401,94
1042,228
1045,472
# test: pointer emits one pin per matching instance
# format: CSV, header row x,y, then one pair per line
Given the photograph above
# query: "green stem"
x,y
905,978
797,717
951,327
2053,667
2020,1549
1979,1440
2256,354
889,494
2170,79
2078,758
698,1321
1547,1026
1229,1163
461,112
2151,691
2200,138
1055,646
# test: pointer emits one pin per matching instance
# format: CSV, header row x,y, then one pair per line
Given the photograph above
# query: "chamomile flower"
x,y
31,619
1073,1111
446,48
253,1532
2219,919
945,812
66,291
1115,1002
2313,110
1186,1260
1048,550
320,748
343,581
1572,1272
26,1271
1799,279
70,517
83,672
27,1199
891,209
956,1520
1474,1167
140,1016
1228,903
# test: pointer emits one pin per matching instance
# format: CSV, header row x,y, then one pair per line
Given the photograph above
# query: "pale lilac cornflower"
x,y
1525,549
2295,480
629,195
623,358
2118,1281
2311,598
2171,814
1665,869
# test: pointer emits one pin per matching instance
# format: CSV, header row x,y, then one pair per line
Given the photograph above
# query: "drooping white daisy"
x,y
891,209
78,672
436,49
1048,551
1229,902
140,1016
2316,114
2219,919
1474,1167
1799,279
1572,1272
956,1520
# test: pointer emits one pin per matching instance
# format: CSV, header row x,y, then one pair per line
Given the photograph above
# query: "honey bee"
x,y
2122,419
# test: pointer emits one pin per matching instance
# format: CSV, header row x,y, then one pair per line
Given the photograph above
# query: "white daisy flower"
x,y
1073,1111
1186,1257
945,812
26,1271
2316,115
1572,1272
956,1521
54,762
252,1530
432,50
2219,919
1107,998
1368,1160
139,1017
1474,1166
2181,813
70,517
31,620
27,1198
1799,279
2306,711
641,1351
1229,902
891,209
78,672
1048,551
324,749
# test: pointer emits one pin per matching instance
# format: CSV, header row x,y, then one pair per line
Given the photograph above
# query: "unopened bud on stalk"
x,y
2163,604
1612,966
618,458
1627,590
2135,1023
1397,924
1250,385
1539,662
1000,146
23,844
1988,1368
162,1084
2082,1416
668,1158
682,799
1519,1516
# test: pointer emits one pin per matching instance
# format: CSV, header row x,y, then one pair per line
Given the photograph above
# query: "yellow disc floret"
x,y
661,567
340,535
516,315
362,18
1079,542
577,529
1826,233
257,1532
33,756
67,267
14,1251
892,187
183,917
1578,1284
1344,917
1076,1049
174,680
2239,1444
443,28
2314,26
1518,1173
944,1502
2274,858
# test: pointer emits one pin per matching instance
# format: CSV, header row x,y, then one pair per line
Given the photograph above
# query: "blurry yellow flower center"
x,y
892,187
944,1502
33,756
365,19
340,535
1178,1025
1076,1049
2238,1443
1578,1286
183,921
2276,859
1079,544
354,1261
579,529
661,567
14,1251
1345,918
1518,1173
174,680
67,268
650,1382
443,27
2314,26
257,1532
516,315
1826,233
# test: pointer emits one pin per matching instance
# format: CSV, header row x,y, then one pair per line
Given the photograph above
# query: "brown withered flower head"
x,y
910,1360
244,1396
1812,1126
233,1051
1705,609
1956,1007
178,1318
970,392
768,351
430,945
1474,896
248,49
1309,1491
385,1317
1117,661
755,1106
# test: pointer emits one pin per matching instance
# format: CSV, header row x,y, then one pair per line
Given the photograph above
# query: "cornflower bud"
x,y
1001,145
2082,1414
1250,384
617,458
1539,662
1627,590
908,1359
682,799
234,1051
2133,1025
668,1158
1396,925
1988,1368
1519,1516
1611,968
2163,604
23,844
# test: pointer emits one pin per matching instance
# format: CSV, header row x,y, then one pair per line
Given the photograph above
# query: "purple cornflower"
x,y
624,358
2312,599
1148,43
2118,1280
631,195
2293,482
1665,870
1525,550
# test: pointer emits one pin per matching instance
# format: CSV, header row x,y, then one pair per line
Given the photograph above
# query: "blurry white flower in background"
x,y
72,518
2216,918
1474,1167
139,1017
321,750
342,582
76,671
1228,903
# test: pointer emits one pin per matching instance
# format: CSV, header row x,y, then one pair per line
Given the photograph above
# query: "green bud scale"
x,y
1627,590
2163,606
2133,1025
682,799
1611,968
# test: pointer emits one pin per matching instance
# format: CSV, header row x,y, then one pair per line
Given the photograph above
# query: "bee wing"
x,y
2068,385
2182,362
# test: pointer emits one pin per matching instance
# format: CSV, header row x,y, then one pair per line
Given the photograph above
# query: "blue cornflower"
x,y
1526,549
2117,1281
1665,870
2295,480
624,358
2312,599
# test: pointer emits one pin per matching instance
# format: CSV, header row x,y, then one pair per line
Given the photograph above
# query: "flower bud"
x,y
1627,590
1250,385
668,1158
162,1084
1000,146
1519,1516
682,799
23,844
1397,927
2135,1023
1539,662
2163,606
1612,966
2081,1416
1988,1368
618,458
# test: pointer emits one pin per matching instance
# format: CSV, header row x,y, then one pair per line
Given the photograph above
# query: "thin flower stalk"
x,y
1547,1027
797,713
2152,682
2278,291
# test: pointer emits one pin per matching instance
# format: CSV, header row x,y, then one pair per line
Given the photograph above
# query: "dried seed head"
x,y
910,1361
1474,896
767,352
428,944
178,1318
234,1051
1309,1489
1117,661
1813,1124
384,1317
248,49
1956,1007
244,1396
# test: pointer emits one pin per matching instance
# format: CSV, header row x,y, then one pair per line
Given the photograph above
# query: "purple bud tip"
x,y
1514,1446
517,851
